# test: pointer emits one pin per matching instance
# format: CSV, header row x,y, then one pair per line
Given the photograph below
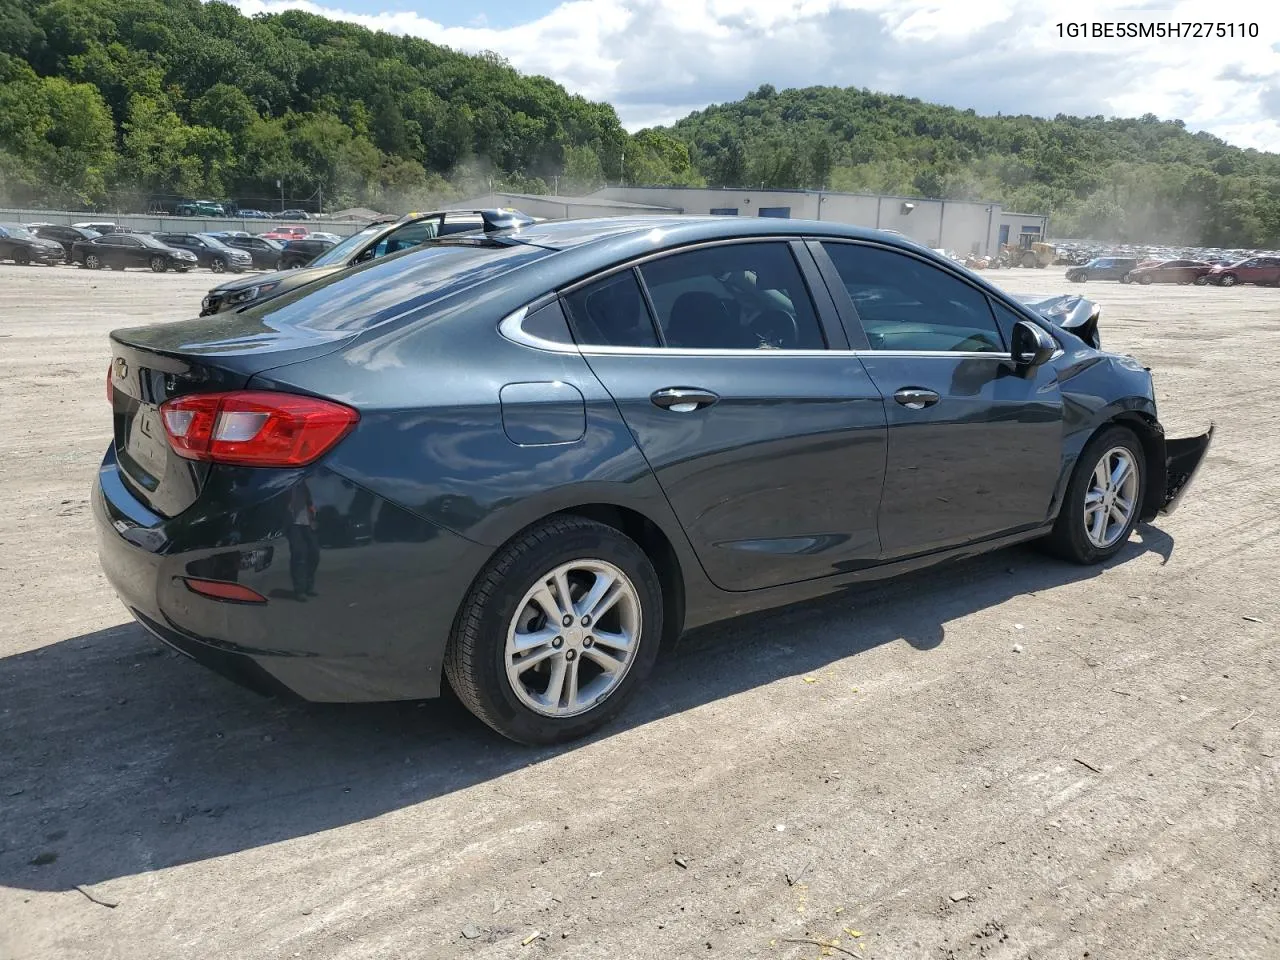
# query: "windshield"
x,y
17,232
148,240
391,286
215,242
347,248
89,234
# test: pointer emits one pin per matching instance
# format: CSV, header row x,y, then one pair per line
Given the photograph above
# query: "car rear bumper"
x,y
386,585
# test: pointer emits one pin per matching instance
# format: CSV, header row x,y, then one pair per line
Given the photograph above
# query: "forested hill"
x,y
1139,178
115,101
122,102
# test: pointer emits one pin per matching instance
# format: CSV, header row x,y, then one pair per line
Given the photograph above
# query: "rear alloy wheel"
x,y
159,264
1228,280
1103,499
218,266
557,632
92,261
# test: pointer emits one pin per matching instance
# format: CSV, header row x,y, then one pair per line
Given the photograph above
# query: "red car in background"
x,y
1171,271
286,233
1264,271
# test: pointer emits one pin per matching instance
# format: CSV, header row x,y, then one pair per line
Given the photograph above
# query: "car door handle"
x,y
916,398
683,399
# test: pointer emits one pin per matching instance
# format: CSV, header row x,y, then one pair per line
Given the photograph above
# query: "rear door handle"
x,y
683,399
916,398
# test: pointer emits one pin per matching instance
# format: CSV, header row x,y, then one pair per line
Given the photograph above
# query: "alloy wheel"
x,y
217,266
1228,280
1111,498
573,638
92,261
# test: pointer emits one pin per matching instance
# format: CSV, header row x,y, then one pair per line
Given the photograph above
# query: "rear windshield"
x,y
362,297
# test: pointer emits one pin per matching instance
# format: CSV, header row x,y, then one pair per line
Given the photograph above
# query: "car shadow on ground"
x,y
119,757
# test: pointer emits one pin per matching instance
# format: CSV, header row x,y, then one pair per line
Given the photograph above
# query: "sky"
x,y
658,60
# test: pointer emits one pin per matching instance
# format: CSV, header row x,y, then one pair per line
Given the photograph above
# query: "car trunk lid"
x,y
150,365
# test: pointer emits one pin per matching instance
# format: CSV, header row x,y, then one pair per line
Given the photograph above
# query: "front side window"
x,y
406,237
739,296
611,313
906,304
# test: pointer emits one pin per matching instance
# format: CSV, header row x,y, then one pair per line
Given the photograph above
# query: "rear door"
x,y
769,446
974,445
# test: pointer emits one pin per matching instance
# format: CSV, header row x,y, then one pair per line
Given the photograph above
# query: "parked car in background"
x,y
1103,268
1264,271
376,240
299,253
575,440
100,226
199,208
322,235
286,233
62,234
253,214
1171,271
264,252
209,250
293,215
122,250
20,245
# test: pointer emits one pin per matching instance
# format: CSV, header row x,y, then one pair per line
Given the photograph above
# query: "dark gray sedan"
x,y
522,459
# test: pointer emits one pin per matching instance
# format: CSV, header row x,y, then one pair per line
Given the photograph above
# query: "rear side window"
x,y
739,296
611,313
906,304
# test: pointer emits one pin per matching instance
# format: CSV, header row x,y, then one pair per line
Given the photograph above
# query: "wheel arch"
x,y
653,540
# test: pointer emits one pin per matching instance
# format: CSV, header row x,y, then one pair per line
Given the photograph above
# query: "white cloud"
x,y
657,59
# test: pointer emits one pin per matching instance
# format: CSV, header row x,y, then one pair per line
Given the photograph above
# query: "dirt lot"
x,y
1108,791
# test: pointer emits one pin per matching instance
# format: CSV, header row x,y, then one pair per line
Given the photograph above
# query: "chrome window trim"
x,y
511,327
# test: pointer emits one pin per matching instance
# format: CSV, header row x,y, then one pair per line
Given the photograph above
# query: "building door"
x,y
1004,234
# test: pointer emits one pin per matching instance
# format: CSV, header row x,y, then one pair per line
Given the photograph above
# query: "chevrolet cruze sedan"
x,y
520,460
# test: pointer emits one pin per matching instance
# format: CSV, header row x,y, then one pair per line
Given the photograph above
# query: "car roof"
x,y
669,231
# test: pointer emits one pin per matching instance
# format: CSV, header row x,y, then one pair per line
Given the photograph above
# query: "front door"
x,y
769,447
975,446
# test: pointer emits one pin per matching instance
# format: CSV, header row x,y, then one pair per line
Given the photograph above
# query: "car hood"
x,y
286,279
1069,312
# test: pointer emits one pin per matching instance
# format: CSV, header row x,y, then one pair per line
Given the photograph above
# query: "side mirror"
x,y
1031,345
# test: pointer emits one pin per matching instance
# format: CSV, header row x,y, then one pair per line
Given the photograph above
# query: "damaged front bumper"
x,y
1182,460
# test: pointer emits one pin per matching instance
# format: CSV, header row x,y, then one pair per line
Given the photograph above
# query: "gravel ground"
x,y
1010,757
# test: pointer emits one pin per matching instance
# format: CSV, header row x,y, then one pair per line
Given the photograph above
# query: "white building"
x,y
960,225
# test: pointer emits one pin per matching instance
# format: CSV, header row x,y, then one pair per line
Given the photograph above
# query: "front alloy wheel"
x,y
159,264
557,631
217,266
1103,499
1112,497
1228,280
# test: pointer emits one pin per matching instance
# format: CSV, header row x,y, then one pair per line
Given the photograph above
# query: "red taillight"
x,y
111,390
255,428
222,590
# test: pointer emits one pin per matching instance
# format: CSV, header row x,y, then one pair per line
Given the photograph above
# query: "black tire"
x,y
474,661
1201,281
158,264
1145,279
92,261
1228,280
22,258
1068,539
218,265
